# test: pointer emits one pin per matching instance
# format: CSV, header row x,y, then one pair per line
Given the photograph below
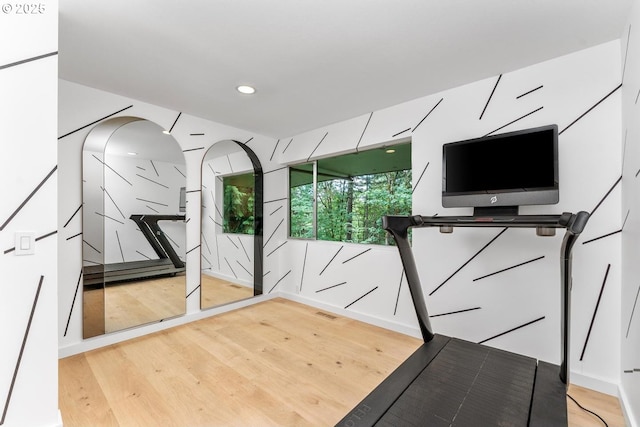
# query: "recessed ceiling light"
x,y
166,132
131,153
390,151
247,90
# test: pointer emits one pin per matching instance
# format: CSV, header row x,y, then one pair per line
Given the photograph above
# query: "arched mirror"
x,y
133,226
231,224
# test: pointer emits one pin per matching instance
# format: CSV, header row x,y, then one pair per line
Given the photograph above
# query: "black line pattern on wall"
x,y
90,245
279,280
24,61
273,233
196,134
230,268
154,168
276,170
208,262
193,149
151,180
468,261
465,310
314,150
20,354
513,121
191,293
595,311
205,242
626,53
490,96
278,247
350,304
37,239
606,195
331,260
395,309
180,172
330,287
512,329
22,205
152,202
140,253
119,245
529,92
637,96
420,178
244,249
113,201
248,141
633,310
218,251
602,237
281,207
176,121
150,208
232,242
192,249
276,200
430,111
73,304
94,122
363,131
508,268
304,265
274,150
400,133
626,217
590,109
244,268
356,256
72,216
111,169
108,217
285,148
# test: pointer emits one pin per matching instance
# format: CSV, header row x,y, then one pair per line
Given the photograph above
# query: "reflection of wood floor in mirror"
x,y
215,291
277,363
135,303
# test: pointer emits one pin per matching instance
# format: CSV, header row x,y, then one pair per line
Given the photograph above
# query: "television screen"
x,y
509,169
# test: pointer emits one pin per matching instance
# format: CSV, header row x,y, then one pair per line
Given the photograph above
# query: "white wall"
x,y
80,109
630,302
557,91
580,92
28,84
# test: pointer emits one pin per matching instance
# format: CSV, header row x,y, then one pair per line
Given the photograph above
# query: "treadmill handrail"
x,y
574,224
151,230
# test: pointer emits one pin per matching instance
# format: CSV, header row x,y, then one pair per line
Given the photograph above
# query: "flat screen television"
x,y
504,170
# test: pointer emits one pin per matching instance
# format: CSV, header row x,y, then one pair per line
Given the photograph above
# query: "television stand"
x,y
452,382
495,211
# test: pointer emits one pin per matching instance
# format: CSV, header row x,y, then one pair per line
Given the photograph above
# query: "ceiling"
x,y
313,62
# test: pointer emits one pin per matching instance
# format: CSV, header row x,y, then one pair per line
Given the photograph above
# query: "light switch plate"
x,y
25,242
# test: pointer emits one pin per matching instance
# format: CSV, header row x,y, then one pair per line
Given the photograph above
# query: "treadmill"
x,y
167,264
452,382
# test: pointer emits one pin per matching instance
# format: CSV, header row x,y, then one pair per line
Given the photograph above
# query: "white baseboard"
x,y
594,383
627,410
402,328
127,334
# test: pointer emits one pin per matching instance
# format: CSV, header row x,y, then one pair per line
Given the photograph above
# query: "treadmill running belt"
x,y
467,385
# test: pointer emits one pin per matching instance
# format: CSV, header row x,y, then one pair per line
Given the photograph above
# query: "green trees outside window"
x,y
352,193
238,204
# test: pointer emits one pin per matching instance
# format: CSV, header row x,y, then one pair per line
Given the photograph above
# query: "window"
x,y
238,191
343,198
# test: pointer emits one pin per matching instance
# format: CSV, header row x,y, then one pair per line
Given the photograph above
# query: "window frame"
x,y
314,163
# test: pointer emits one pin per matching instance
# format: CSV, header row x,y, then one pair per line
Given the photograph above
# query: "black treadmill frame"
x,y
548,401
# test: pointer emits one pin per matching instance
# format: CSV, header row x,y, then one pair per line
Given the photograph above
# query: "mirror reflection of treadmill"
x,y
167,264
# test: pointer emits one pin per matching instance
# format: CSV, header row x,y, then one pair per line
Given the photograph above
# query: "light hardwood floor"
x,y
277,363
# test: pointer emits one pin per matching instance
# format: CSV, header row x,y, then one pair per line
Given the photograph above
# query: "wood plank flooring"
x,y
277,363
